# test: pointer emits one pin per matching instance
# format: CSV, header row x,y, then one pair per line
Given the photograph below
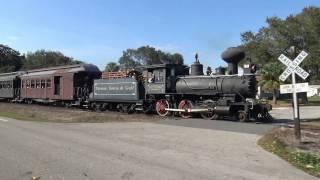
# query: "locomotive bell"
x,y
233,56
196,67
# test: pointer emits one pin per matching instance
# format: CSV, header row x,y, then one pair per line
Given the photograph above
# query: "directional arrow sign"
x,y
299,87
293,66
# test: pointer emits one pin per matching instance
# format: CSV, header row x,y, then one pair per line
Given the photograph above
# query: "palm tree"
x,y
270,82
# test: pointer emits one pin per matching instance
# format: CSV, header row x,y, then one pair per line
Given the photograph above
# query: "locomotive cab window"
x,y
159,75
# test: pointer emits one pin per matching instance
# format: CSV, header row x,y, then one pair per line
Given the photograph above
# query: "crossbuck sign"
x,y
293,69
293,66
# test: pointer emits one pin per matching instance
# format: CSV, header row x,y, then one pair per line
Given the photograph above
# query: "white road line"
x,y
3,120
281,108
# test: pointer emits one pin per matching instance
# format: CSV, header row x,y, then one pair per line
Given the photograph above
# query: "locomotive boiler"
x,y
243,85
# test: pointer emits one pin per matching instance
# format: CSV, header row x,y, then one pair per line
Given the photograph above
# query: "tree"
x,y
147,55
209,70
10,59
269,79
112,67
301,30
43,59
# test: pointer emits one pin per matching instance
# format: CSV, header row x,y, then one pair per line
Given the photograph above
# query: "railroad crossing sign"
x,y
299,87
293,66
293,69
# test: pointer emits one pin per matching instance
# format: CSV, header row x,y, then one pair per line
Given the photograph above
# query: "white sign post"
x,y
292,69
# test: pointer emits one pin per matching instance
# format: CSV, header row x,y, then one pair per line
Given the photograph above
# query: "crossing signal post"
x,y
293,69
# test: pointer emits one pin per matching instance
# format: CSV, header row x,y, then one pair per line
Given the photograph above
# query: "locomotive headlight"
x,y
253,68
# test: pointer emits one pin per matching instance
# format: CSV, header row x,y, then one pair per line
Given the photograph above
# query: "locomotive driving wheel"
x,y
210,115
185,105
242,116
161,106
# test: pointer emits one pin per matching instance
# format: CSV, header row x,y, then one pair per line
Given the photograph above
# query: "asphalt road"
x,y
77,151
306,112
282,116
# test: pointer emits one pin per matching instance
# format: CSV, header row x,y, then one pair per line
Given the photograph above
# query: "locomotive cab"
x,y
161,78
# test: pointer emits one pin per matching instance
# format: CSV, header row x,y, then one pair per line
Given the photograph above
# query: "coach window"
x,y
43,83
32,84
37,83
28,84
0,84
48,83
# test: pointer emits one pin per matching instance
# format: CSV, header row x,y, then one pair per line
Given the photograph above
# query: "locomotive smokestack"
x,y
233,56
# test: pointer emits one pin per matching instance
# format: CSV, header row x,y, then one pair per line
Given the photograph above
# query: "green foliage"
x,y
112,67
269,78
43,59
147,55
269,75
10,59
301,30
303,160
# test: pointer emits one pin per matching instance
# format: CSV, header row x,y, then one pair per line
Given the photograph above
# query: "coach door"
x,y
57,85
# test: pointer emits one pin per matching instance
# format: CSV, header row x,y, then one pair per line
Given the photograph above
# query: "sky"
x,y
97,31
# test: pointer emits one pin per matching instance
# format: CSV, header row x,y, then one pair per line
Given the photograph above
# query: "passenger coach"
x,y
10,86
66,85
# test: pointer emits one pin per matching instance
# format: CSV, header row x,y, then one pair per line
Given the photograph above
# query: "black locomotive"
x,y
168,88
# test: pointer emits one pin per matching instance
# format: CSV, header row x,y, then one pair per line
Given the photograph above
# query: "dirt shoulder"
x,y
44,113
304,155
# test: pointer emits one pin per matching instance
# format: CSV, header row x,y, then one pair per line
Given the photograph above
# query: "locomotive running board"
x,y
187,110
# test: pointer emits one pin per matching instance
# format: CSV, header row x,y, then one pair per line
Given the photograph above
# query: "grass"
x,y
314,100
69,116
306,161
34,116
313,122
21,116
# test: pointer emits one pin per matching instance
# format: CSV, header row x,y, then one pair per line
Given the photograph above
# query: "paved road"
x,y
306,112
281,115
134,151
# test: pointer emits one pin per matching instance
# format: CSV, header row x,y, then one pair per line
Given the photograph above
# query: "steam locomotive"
x,y
170,89
164,88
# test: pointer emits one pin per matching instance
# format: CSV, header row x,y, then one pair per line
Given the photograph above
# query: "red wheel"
x,y
185,105
161,106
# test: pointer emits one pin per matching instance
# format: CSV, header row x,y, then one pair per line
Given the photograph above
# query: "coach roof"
x,y
62,69
10,76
